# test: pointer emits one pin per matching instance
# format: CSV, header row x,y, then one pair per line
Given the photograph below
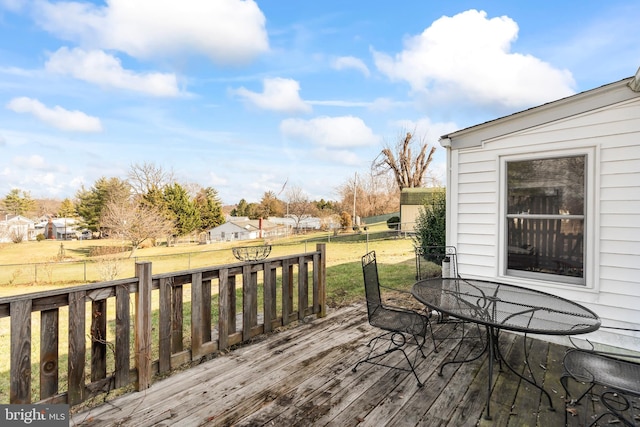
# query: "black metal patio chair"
x,y
401,325
433,262
610,385
436,261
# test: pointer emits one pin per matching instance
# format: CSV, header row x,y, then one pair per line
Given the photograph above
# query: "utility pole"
x,y
355,189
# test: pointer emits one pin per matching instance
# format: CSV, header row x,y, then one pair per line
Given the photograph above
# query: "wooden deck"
x,y
303,376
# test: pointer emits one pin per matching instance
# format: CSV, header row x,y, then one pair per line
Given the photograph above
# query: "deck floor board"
x,y
302,376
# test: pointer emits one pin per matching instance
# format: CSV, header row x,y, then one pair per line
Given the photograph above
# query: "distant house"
x,y
246,229
411,200
549,198
16,228
59,228
307,223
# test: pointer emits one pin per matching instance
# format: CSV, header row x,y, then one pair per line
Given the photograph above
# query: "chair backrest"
x,y
371,282
436,261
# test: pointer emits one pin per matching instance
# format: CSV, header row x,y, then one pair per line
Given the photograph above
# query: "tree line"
x,y
150,204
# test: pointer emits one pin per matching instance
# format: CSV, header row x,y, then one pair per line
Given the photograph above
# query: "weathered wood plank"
x,y
196,315
302,376
287,291
530,401
77,347
164,324
303,287
270,298
249,301
206,311
123,336
553,365
20,387
455,381
98,339
143,325
224,299
49,353
321,266
177,319
231,283
474,399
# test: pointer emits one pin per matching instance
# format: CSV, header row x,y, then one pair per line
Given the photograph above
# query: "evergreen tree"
x,y
210,208
241,209
270,205
67,209
91,202
182,210
18,202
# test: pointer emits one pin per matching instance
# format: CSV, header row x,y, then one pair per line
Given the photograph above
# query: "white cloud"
x,y
468,56
344,131
3,141
216,180
278,95
227,31
103,69
345,62
56,116
425,129
32,162
343,157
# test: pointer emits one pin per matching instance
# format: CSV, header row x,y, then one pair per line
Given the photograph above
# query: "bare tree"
x,y
299,207
135,222
409,171
147,177
376,194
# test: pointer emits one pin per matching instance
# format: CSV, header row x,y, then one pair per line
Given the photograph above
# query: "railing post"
x,y
143,325
322,279
20,371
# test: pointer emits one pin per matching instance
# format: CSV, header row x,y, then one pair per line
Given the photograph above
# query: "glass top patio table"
x,y
505,306
500,306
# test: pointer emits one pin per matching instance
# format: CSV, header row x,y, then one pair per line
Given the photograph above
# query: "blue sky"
x,y
245,95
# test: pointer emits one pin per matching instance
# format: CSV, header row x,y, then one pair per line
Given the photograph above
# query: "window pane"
x,y
552,246
546,243
546,186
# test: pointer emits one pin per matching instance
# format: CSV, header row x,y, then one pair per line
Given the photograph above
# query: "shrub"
x,y
107,250
17,236
393,222
40,237
345,220
431,222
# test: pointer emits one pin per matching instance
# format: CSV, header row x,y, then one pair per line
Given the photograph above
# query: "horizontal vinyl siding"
x,y
620,223
612,136
476,212
618,247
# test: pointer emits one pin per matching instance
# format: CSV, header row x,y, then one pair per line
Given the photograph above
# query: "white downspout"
x,y
445,142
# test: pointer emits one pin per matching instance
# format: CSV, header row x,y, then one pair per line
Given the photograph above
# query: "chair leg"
x,y
397,341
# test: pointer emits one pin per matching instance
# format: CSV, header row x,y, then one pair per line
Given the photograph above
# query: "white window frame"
x,y
590,234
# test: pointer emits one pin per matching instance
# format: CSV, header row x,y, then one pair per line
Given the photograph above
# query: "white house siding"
x,y
611,137
476,211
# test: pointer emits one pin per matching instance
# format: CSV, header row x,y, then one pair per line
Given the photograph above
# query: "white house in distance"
x,y
246,229
59,228
549,198
16,227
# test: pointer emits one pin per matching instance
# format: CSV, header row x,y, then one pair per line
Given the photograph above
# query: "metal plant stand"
x,y
251,253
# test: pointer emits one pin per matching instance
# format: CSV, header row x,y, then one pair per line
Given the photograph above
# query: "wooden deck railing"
x,y
115,340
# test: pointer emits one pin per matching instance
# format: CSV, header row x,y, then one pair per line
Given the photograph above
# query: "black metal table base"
x,y
491,345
